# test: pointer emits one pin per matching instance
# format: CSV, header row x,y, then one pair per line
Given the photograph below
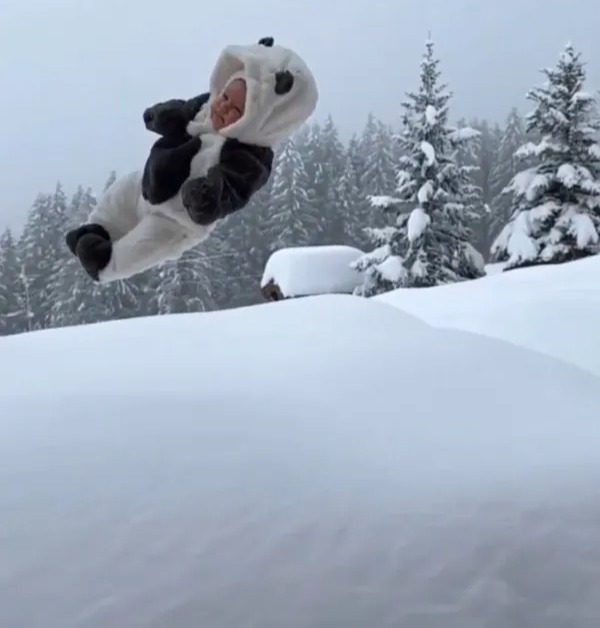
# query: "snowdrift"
x,y
554,309
328,461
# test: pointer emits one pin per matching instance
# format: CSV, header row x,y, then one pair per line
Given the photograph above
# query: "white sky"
x,y
75,75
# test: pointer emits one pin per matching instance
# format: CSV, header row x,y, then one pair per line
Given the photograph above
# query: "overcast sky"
x,y
75,75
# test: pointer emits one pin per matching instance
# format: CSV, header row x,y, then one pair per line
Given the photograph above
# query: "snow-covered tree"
x,y
239,250
556,202
428,242
293,217
506,166
351,205
354,154
322,154
376,146
13,318
43,252
481,156
186,284
378,154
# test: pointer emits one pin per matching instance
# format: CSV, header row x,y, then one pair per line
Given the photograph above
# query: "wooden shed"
x,y
309,271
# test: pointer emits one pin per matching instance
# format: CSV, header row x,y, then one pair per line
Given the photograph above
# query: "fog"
x,y
75,75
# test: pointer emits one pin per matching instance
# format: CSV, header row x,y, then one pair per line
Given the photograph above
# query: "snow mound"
x,y
313,270
494,268
554,308
328,461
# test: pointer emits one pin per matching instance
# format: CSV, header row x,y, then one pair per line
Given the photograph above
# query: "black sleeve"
x,y
172,116
229,185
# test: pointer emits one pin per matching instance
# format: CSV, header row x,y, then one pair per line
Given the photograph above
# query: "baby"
x,y
168,166
214,153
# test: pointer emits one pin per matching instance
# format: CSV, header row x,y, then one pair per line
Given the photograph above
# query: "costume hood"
x,y
281,91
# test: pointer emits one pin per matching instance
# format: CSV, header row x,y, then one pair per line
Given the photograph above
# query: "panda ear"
x,y
266,41
284,81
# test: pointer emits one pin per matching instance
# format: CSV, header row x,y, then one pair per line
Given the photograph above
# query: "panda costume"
x,y
196,176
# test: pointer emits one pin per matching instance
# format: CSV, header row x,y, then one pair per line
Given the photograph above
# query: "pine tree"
x,y
186,284
429,244
352,205
43,252
556,202
481,158
377,160
322,154
304,136
12,307
357,160
241,249
293,218
329,159
378,173
506,167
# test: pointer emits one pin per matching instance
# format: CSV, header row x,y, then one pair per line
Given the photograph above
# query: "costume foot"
x,y
94,253
200,197
72,237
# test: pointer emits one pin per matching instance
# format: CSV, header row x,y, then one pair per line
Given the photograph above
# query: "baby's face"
x,y
229,105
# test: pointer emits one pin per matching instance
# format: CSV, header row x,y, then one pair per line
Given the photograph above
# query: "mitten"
x,y
167,118
202,199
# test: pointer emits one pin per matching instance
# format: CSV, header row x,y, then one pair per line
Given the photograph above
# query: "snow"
x,y
475,257
553,309
327,461
567,174
582,96
382,200
312,270
429,153
464,134
392,268
571,176
520,244
418,221
582,229
495,268
431,115
426,192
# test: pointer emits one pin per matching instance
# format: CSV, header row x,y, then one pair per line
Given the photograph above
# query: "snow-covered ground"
x,y
323,462
553,309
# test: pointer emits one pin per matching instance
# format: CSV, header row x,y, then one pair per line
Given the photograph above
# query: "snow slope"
x,y
323,462
554,309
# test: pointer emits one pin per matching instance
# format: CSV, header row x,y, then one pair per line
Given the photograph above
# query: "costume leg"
x,y
115,214
155,239
118,210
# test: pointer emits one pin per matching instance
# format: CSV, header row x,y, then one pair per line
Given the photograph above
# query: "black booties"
x,y
92,245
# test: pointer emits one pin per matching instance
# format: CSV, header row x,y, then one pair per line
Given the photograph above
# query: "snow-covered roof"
x,y
313,270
